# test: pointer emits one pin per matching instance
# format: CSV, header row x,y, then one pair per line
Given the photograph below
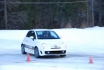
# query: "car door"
x,y
30,42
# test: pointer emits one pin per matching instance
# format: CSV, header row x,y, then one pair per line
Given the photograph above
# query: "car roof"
x,y
41,30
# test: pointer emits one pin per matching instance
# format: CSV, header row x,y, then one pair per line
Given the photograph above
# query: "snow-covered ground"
x,y
81,44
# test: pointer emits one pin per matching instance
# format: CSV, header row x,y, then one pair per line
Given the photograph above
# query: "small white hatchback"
x,y
41,42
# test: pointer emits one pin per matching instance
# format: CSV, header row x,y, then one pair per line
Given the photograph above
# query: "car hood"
x,y
52,41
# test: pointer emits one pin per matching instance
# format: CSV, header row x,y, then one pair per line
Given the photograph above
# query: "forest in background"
x,y
29,14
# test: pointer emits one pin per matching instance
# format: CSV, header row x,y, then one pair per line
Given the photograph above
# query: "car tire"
x,y
23,49
62,55
36,52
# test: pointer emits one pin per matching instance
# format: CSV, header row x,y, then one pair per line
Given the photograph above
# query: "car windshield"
x,y
47,35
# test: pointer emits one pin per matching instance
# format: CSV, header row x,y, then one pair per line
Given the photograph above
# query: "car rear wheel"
x,y
62,55
23,49
36,53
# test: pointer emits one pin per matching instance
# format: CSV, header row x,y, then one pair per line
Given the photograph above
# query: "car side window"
x,y
31,34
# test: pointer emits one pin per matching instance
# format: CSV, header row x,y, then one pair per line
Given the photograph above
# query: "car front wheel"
x,y
23,49
36,53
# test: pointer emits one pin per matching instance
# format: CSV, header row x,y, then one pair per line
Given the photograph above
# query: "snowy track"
x,y
71,61
81,44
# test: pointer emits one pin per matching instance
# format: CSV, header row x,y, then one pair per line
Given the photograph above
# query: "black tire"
x,y
36,52
62,55
23,49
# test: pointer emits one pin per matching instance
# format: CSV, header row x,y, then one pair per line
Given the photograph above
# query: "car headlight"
x,y
44,45
64,45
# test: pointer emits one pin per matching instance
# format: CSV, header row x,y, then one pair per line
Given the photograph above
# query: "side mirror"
x,y
31,37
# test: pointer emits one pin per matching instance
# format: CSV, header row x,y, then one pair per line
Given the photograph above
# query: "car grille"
x,y
55,52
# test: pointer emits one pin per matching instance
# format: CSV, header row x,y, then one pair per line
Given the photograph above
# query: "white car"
x,y
41,42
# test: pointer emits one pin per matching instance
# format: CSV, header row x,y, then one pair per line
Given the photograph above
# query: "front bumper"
x,y
56,52
53,51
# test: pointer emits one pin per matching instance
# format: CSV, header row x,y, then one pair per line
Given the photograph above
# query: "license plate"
x,y
55,47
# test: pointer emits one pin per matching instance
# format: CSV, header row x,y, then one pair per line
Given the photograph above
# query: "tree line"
x,y
29,14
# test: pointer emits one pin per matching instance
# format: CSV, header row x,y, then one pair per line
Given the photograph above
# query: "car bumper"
x,y
58,52
55,52
52,51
